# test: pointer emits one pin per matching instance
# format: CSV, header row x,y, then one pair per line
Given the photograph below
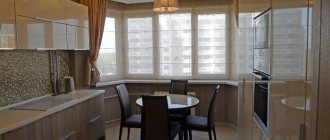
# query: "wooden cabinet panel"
x,y
111,109
76,14
93,110
7,24
46,9
257,133
83,121
30,132
96,128
35,33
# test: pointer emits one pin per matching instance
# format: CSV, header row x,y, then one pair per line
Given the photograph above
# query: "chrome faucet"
x,y
54,71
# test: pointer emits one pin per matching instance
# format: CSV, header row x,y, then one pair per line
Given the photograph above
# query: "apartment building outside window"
x,y
211,44
175,45
139,46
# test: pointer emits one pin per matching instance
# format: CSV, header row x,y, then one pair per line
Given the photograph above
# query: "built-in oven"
x,y
261,100
262,52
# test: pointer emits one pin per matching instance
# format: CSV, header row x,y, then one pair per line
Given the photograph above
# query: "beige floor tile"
x,y
223,133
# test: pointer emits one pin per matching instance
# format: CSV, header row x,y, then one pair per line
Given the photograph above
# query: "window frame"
x,y
118,33
186,11
139,14
227,44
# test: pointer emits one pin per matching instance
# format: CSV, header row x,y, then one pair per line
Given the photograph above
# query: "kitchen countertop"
x,y
11,119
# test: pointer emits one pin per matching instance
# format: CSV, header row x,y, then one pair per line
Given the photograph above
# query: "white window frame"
x,y
185,11
119,61
227,44
139,14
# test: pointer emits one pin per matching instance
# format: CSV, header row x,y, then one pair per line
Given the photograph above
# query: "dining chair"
x,y
206,124
156,123
179,87
127,118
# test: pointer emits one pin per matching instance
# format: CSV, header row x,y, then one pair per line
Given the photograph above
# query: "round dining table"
x,y
178,102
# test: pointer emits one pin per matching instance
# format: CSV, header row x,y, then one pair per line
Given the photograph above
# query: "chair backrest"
x,y
179,87
155,120
125,103
210,114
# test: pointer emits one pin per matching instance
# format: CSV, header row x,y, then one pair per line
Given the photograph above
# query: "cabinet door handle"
x,y
302,131
69,135
95,119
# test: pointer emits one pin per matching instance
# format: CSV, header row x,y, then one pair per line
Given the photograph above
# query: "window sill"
x,y
226,82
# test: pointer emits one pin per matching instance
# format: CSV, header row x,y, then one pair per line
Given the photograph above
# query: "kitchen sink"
x,y
43,104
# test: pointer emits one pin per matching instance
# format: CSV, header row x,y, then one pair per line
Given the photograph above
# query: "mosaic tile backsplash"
x,y
25,74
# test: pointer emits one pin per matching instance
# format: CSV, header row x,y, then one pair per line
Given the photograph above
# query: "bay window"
x,y
167,46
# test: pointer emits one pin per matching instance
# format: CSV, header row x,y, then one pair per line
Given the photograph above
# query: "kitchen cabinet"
x,y
35,33
82,121
53,10
64,124
93,110
77,38
7,24
77,26
76,14
32,131
289,64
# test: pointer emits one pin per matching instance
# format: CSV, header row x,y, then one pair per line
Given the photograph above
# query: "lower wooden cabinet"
x,y
83,121
30,132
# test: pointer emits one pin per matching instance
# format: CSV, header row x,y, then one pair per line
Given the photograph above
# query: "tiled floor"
x,y
223,133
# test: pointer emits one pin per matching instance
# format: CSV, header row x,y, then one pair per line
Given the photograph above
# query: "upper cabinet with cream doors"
x,y
76,14
51,25
53,10
77,26
40,34
77,37
7,24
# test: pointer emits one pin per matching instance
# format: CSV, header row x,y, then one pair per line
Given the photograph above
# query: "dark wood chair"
x,y
127,118
205,124
156,124
179,87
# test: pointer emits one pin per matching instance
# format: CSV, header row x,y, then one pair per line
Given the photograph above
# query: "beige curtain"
x,y
97,14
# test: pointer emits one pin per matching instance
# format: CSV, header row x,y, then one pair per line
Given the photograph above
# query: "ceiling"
x,y
133,1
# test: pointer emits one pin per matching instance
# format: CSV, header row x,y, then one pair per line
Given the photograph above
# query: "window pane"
x,y
140,43
175,44
107,61
212,44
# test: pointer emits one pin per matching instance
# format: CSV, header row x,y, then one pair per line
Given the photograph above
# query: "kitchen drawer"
x,y
96,128
93,108
30,132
